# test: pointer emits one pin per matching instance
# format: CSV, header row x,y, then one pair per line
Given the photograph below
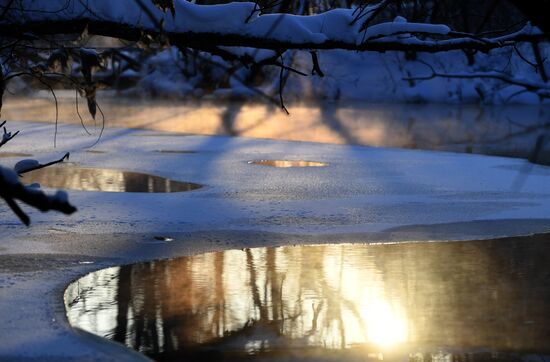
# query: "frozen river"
x,y
355,195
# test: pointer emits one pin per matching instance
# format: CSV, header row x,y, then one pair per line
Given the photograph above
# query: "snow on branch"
x,y
11,190
238,24
29,165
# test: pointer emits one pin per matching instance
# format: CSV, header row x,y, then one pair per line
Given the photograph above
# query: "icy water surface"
x,y
456,301
288,163
102,179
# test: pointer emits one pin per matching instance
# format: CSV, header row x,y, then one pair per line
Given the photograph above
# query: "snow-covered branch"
x,y
29,165
11,190
232,24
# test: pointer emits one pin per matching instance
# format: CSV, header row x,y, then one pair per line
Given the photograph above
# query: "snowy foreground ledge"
x,y
363,190
365,195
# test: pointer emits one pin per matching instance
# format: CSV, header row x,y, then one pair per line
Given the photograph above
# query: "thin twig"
x,y
78,112
102,126
281,86
524,58
7,136
39,166
316,69
17,210
542,89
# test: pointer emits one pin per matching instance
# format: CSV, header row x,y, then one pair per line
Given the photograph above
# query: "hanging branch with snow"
x,y
11,190
191,25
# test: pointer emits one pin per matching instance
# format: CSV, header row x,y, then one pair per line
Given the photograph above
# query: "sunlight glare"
x,y
385,324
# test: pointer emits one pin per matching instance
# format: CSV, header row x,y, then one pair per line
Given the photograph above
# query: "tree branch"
x,y
11,189
308,32
22,169
7,136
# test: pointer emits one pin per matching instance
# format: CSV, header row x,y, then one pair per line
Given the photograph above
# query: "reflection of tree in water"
x,y
95,179
162,310
501,137
469,295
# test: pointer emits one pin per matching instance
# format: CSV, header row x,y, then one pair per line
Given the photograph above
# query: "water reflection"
x,y
483,300
288,163
14,154
176,151
108,180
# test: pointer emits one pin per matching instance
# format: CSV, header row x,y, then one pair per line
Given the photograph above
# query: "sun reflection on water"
x,y
387,325
338,302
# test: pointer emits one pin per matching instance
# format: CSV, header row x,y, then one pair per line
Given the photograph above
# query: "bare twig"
x,y
520,54
39,77
541,89
17,210
39,166
373,14
281,86
7,136
6,8
540,61
315,62
78,112
102,126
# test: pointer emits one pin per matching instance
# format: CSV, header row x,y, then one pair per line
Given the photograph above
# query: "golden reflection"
x,y
14,154
107,180
176,151
288,163
336,302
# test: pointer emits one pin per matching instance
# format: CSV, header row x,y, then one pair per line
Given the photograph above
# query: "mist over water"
x,y
507,130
